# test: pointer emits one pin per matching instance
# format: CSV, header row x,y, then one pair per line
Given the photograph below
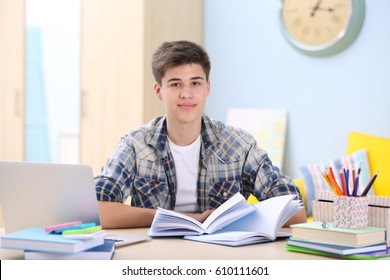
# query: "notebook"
x,y
44,194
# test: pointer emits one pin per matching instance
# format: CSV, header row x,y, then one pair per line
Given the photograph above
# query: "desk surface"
x,y
175,248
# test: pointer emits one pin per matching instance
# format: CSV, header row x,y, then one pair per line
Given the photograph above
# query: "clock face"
x,y
318,25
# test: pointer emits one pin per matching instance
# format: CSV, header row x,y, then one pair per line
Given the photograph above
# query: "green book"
x,y
315,232
363,256
336,249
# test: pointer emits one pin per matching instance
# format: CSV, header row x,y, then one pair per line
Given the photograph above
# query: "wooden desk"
x,y
174,248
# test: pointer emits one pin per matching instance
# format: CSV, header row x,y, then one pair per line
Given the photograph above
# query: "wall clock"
x,y
321,27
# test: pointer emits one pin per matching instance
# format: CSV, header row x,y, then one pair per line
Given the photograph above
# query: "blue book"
x,y
36,239
102,252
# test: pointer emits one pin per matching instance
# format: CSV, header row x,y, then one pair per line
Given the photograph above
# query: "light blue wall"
x,y
326,98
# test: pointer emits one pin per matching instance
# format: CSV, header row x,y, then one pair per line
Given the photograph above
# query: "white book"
x,y
263,225
171,223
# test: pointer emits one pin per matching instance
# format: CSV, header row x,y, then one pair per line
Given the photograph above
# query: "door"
x,y
12,38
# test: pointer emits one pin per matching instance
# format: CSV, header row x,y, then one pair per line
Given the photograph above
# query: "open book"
x,y
171,223
262,225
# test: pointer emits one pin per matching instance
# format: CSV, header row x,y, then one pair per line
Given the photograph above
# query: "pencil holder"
x,y
350,212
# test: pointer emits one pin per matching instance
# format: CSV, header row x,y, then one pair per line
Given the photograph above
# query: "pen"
x,y
369,185
332,178
329,183
332,183
352,180
342,179
346,177
331,173
356,184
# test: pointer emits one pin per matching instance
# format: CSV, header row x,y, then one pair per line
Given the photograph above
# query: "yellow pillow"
x,y
378,153
299,182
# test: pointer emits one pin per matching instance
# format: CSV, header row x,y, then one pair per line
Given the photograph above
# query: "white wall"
x,y
326,97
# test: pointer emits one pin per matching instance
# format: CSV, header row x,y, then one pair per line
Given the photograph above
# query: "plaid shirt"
x,y
230,162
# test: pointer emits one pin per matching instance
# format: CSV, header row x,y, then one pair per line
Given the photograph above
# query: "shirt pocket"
x,y
222,191
149,193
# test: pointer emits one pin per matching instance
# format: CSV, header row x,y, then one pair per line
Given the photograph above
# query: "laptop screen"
x,y
44,194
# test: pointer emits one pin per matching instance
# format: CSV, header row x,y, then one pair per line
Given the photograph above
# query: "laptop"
x,y
45,194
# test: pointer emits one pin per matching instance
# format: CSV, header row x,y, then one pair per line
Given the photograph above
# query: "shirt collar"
x,y
211,138
158,137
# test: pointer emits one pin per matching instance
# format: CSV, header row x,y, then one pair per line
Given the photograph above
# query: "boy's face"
x,y
183,91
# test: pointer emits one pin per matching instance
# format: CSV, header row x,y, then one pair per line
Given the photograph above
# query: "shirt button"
x,y
224,194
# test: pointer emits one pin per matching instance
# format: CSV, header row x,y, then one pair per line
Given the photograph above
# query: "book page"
x,y
233,238
167,222
266,219
228,208
231,215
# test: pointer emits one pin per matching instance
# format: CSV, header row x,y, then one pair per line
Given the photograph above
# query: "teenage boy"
x,y
184,160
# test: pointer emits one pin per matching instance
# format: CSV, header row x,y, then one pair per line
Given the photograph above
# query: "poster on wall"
x,y
268,127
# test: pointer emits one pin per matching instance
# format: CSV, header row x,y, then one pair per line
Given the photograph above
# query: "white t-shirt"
x,y
186,160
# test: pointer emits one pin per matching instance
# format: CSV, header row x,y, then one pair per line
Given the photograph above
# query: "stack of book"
x,y
73,240
325,239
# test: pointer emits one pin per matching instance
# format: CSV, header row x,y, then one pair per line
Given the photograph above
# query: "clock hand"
x,y
315,8
325,9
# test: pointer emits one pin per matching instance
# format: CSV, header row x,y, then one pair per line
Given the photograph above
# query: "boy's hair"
x,y
177,53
